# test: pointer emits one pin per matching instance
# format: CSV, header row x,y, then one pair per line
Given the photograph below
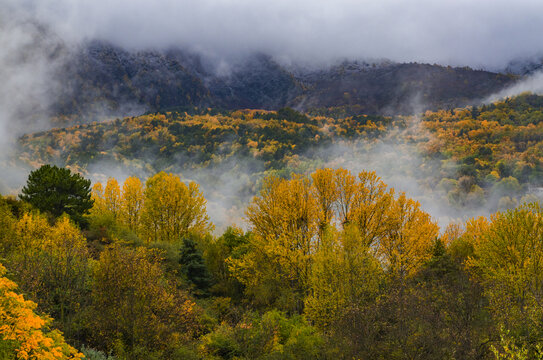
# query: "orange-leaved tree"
x,y
25,335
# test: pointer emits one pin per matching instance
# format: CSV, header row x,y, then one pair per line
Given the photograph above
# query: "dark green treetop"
x,y
194,267
57,191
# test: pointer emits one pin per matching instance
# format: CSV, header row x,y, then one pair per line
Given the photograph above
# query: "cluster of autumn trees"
x,y
165,210
334,265
308,231
119,299
492,149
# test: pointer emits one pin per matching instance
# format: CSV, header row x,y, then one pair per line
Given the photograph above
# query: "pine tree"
x,y
194,266
56,191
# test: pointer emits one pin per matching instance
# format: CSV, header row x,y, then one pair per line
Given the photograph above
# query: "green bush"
x,y
91,354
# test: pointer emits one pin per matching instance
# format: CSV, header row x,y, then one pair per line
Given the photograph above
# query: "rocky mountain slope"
x,y
101,77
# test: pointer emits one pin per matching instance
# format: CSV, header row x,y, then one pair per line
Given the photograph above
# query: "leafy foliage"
x,y
507,260
165,210
134,306
172,210
291,218
494,147
51,264
272,336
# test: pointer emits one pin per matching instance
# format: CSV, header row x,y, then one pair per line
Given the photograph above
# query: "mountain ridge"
x,y
153,80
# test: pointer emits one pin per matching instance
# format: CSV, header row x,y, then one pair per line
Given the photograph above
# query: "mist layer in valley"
x,y
451,161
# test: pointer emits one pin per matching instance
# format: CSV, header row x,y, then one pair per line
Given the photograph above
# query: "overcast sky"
x,y
478,33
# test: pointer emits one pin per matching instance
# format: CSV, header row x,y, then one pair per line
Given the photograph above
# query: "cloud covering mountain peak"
x,y
483,33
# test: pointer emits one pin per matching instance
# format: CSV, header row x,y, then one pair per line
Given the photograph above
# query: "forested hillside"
x,y
497,147
177,140
475,157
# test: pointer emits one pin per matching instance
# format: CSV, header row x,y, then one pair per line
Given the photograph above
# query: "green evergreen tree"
x,y
194,267
57,191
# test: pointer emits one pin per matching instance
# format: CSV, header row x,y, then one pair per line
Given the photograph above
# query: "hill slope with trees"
x,y
487,156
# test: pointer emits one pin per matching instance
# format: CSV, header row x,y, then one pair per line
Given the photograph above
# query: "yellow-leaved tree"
x,y
410,233
316,237
371,208
326,194
166,209
172,210
7,228
132,203
112,197
344,276
97,195
284,220
346,188
508,260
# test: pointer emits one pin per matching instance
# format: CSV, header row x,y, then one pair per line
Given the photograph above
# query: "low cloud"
x,y
484,33
533,84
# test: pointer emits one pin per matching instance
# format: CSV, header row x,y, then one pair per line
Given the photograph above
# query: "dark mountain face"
x,y
399,88
101,78
525,66
257,83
